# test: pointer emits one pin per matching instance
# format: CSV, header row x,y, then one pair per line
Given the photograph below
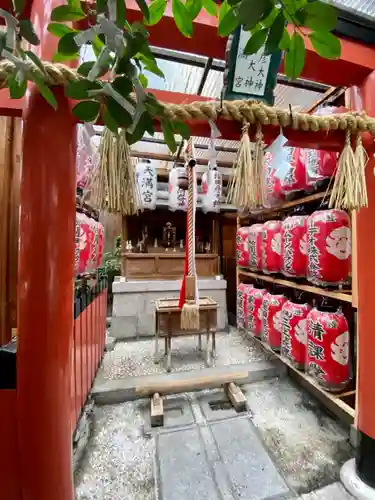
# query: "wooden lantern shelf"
x,y
166,265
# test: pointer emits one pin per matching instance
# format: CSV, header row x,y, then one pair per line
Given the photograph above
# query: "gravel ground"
x,y
119,459
136,358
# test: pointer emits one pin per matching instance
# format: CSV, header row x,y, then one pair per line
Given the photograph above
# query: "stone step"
x,y
131,388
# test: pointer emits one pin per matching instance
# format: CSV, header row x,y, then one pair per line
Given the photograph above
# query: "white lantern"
x,y
147,184
212,198
177,199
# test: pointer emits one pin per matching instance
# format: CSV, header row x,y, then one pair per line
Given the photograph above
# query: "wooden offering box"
x,y
168,318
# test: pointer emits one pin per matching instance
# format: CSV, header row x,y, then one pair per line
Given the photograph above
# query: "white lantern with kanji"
x,y
177,197
147,184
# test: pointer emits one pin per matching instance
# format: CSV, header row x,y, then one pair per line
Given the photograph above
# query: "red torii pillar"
x,y
45,293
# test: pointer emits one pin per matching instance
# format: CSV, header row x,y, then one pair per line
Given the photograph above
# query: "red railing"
x,y
90,311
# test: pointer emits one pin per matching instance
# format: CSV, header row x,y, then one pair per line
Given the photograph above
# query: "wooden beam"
x,y
172,158
236,397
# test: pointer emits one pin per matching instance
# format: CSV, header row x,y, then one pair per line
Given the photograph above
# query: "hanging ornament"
x,y
242,246
271,246
292,171
147,184
328,247
212,180
255,247
272,319
294,333
328,348
254,300
294,246
319,165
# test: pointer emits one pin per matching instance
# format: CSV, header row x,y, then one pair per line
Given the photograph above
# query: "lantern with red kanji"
x,y
100,244
255,247
319,165
294,336
271,246
293,172
328,348
83,239
242,246
241,317
254,300
272,319
294,246
273,194
328,247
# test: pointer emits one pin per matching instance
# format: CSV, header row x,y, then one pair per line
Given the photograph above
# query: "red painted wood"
x,y
78,365
10,486
85,382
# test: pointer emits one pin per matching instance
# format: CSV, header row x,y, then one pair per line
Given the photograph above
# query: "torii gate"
x,y
43,457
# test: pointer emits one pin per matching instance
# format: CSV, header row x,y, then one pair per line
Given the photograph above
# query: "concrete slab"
x,y
177,413
183,467
216,406
334,491
248,466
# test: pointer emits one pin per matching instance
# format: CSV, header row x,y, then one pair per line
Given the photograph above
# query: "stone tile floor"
x,y
284,447
137,357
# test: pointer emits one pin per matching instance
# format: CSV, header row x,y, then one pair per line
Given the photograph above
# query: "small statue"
x,y
155,243
129,246
207,247
182,244
169,236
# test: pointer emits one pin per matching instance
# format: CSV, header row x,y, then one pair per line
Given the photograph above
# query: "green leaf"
x,y
181,129
120,13
269,17
169,138
295,56
144,81
153,105
210,7
27,31
18,6
182,18
45,91
74,4
85,68
319,16
109,121
67,45
144,9
125,67
122,117
123,85
101,6
285,40
97,46
256,41
87,111
228,21
57,57
3,40
251,12
151,66
194,7
17,84
145,124
80,89
275,35
64,13
326,44
59,29
234,2
156,10
35,59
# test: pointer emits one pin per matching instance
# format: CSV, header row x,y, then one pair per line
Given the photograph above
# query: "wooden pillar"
x,y
365,257
45,291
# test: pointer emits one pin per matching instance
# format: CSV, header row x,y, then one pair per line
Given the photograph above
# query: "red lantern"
x,y
319,165
294,177
272,319
273,191
271,246
242,291
254,300
294,337
82,243
100,244
294,246
255,247
93,236
328,247
328,349
242,246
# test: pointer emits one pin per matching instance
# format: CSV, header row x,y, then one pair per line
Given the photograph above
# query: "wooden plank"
x,y
236,397
157,411
166,157
334,399
344,297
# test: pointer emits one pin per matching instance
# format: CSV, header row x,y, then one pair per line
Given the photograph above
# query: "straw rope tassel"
x,y
258,169
190,309
343,195
361,159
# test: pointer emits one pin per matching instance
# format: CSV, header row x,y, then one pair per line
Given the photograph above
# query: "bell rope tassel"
x,y
113,184
361,159
189,292
257,174
241,187
343,196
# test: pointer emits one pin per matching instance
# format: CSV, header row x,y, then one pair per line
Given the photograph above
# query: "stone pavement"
x,y
283,447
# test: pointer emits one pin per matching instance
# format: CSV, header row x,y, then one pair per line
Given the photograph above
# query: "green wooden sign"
x,y
249,76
